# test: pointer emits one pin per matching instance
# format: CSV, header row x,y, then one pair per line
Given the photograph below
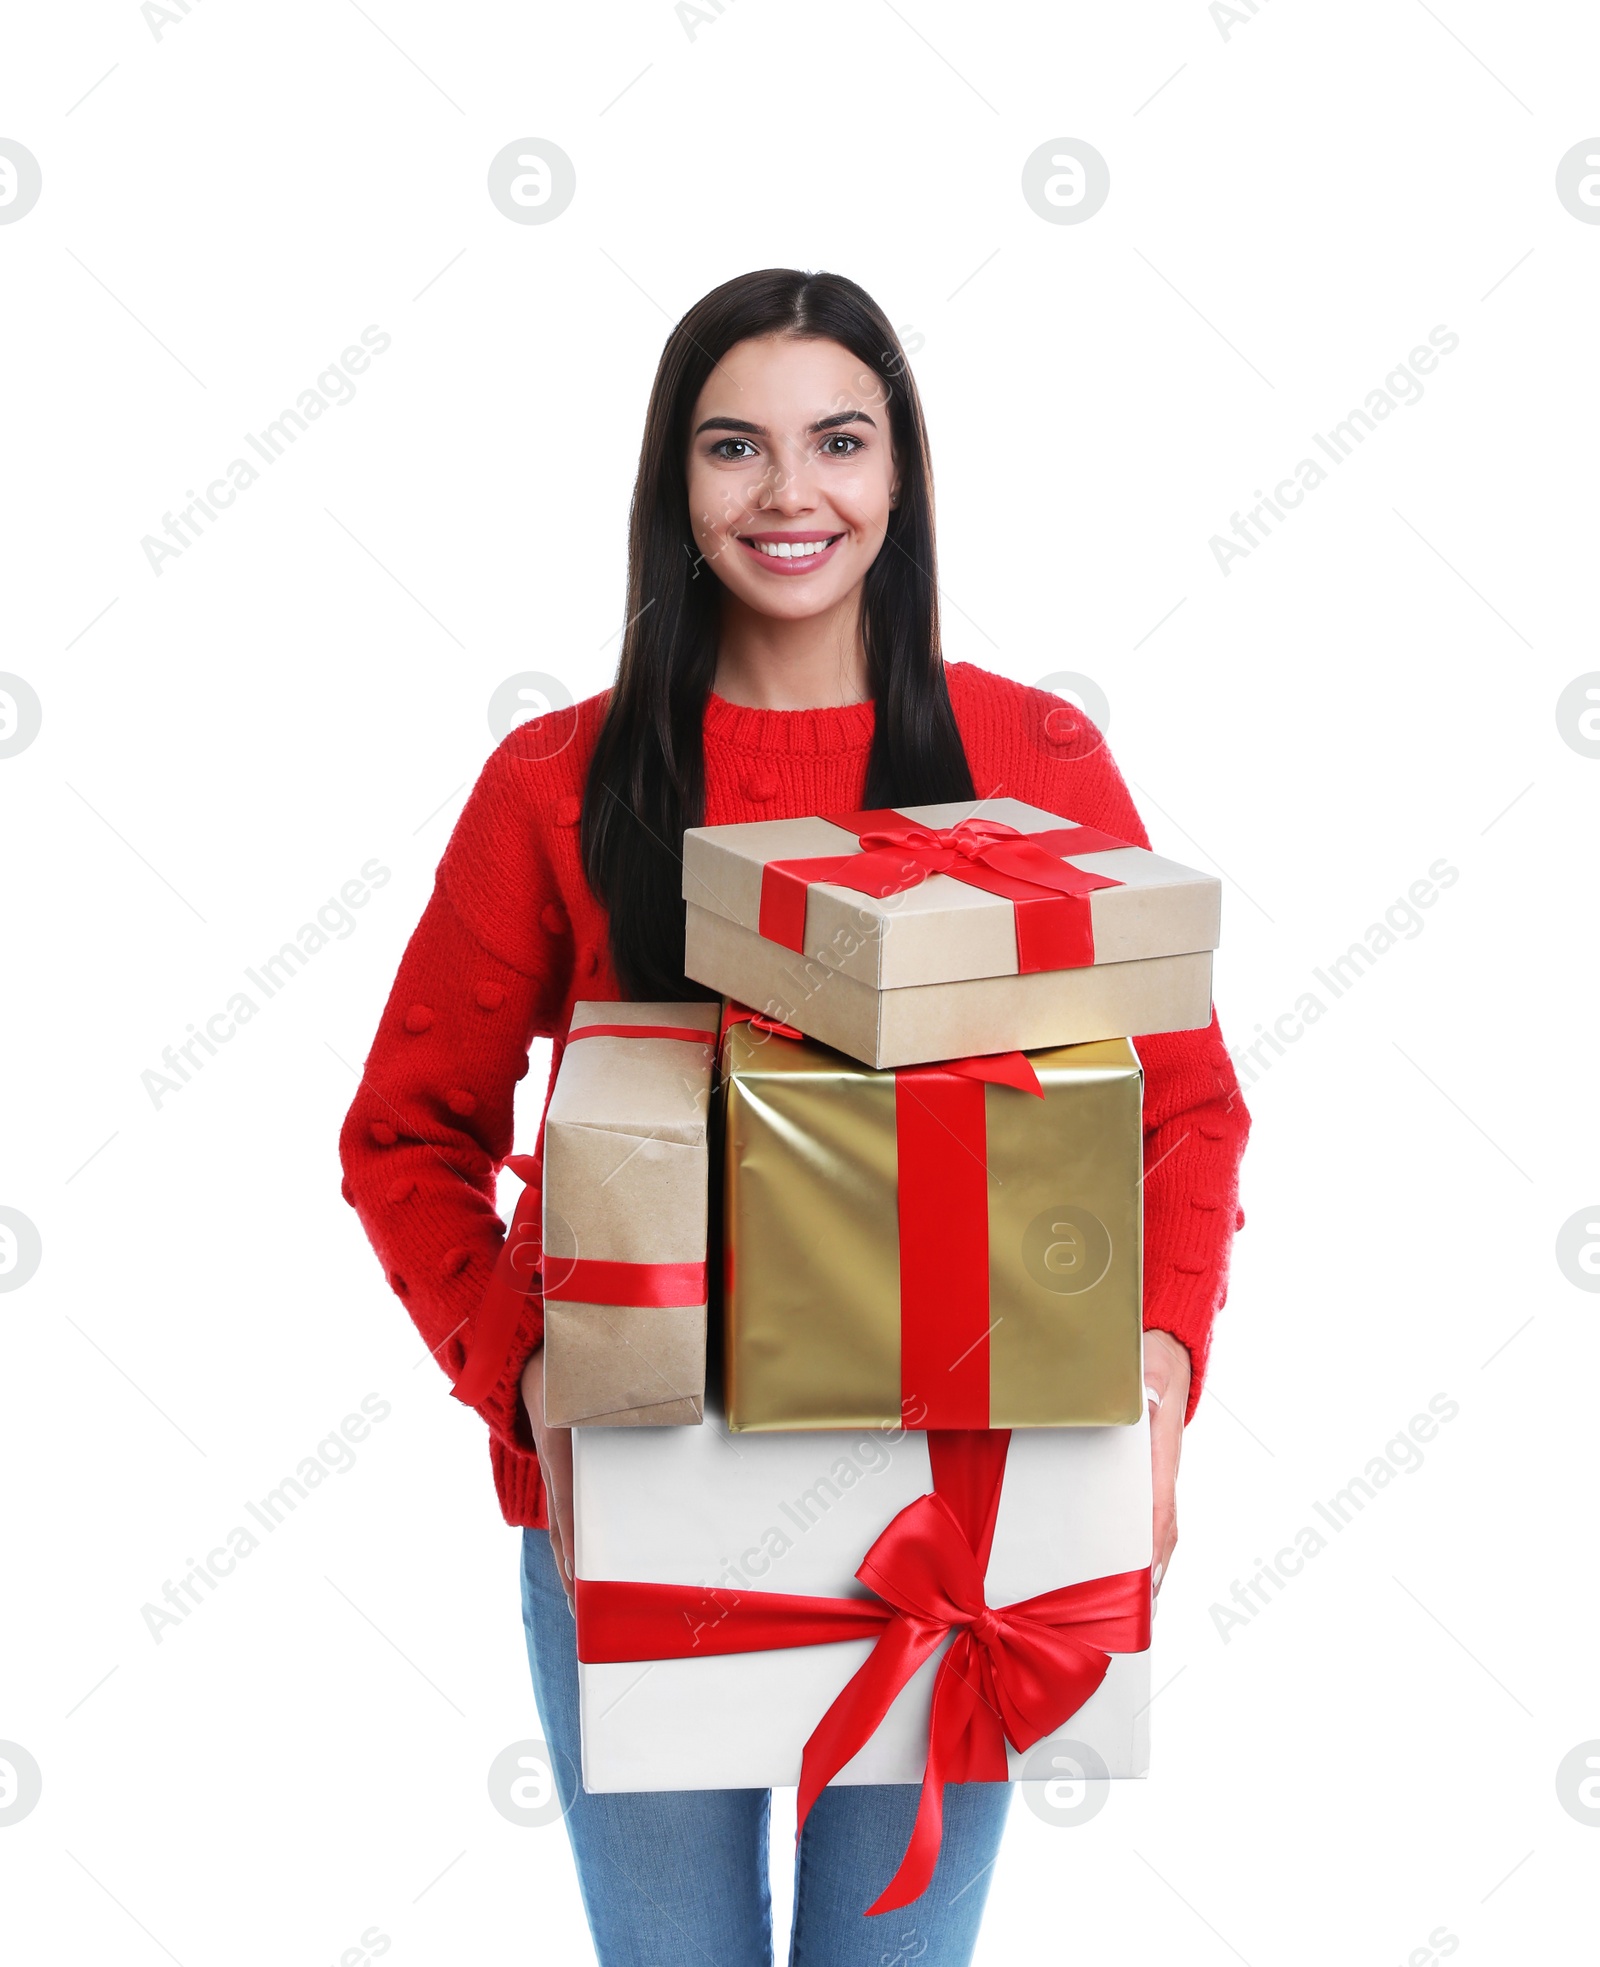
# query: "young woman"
x,y
781,658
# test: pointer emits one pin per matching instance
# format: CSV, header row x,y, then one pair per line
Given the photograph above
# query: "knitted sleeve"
x,y
1027,744
430,1124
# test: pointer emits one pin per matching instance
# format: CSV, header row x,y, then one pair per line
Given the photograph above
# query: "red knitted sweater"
x,y
512,937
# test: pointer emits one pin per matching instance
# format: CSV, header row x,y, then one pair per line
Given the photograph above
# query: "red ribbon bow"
x,y
1014,1674
938,848
1049,898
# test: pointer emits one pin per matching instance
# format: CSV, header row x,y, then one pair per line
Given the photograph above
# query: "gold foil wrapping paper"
x,y
811,1231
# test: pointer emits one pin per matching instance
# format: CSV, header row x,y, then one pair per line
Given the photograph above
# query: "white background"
x,y
1294,205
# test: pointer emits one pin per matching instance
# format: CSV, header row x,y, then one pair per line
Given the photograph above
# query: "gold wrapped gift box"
x,y
923,1247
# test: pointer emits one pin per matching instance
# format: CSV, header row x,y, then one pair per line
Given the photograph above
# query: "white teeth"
x,y
791,550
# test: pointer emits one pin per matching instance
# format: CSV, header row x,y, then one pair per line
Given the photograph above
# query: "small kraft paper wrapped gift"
x,y
626,1178
938,931
943,1246
877,1606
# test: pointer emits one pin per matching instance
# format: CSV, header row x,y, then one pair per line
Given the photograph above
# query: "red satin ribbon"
x,y
942,1189
1049,898
599,1281
692,1033
733,1014
517,1272
1016,1673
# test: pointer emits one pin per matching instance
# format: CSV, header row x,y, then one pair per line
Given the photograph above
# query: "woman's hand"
x,y
1166,1378
555,1464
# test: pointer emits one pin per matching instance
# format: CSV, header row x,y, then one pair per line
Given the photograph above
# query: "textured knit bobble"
x,y
383,1133
489,996
401,1288
459,1100
568,811
522,1070
401,1190
756,782
347,1192
591,963
455,1261
1205,1202
418,1019
553,917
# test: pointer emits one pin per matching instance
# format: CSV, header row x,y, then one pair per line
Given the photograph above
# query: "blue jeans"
x,y
678,1878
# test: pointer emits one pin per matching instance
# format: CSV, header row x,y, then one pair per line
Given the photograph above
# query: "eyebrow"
x,y
739,424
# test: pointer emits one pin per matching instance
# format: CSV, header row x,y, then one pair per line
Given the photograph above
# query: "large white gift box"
x,y
737,1517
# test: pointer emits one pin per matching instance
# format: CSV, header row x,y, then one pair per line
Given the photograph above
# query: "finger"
x,y
560,1544
1163,1542
1166,1435
561,1513
1166,1442
568,1548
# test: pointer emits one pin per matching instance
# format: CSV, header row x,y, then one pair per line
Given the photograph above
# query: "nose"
x,y
787,487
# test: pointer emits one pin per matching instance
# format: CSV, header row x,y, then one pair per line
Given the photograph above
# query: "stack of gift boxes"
x,y
901,1531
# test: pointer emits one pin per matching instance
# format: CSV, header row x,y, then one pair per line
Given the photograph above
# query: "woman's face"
x,y
791,473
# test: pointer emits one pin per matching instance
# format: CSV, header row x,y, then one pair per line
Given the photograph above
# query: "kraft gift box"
x,y
626,1177
731,1587
952,1246
933,932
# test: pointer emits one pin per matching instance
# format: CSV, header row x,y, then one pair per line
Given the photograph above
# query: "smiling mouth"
x,y
790,552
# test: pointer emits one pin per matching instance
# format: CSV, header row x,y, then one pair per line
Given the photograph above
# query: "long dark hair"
x,y
647,777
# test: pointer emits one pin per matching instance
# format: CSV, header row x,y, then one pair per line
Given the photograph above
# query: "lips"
x,y
790,553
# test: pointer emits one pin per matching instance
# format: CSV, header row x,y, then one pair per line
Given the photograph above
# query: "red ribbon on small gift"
x,y
1014,1674
691,1034
521,1269
733,1014
942,1190
1049,899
